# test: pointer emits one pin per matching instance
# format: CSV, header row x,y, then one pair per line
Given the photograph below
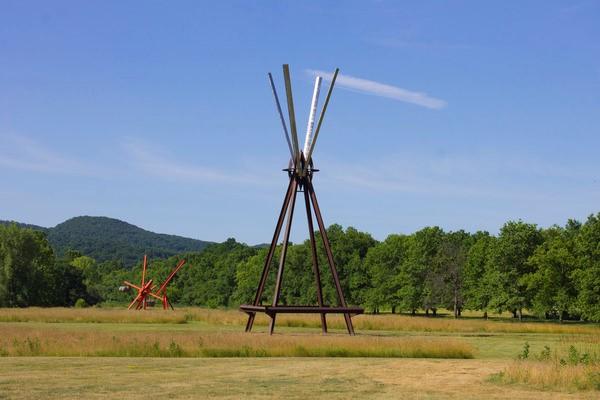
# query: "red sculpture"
x,y
145,289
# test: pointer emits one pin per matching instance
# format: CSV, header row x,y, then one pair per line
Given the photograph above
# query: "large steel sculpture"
x,y
300,172
145,291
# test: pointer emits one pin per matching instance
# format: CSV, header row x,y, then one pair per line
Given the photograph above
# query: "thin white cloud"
x,y
18,152
23,153
490,176
382,90
155,163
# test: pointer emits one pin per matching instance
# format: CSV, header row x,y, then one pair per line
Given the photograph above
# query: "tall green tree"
x,y
247,277
209,277
417,284
382,267
26,268
348,246
423,282
106,277
298,284
478,276
450,263
516,243
554,263
67,284
587,276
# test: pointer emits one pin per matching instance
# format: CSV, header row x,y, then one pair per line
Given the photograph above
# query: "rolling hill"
x,y
106,238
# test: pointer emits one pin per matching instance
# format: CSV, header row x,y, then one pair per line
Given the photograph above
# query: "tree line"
x,y
552,272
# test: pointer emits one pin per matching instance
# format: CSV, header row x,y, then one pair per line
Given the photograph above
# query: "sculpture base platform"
x,y
272,312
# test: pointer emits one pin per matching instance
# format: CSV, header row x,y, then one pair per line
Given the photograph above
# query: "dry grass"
x,y
92,315
259,378
574,365
27,340
391,322
546,375
386,322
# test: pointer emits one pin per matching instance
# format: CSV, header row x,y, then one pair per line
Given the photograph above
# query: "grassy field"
x,y
199,353
383,322
260,378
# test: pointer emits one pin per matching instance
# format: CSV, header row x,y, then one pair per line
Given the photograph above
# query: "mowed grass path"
x,y
258,378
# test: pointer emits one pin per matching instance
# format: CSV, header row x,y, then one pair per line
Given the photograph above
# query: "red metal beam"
x,y
170,277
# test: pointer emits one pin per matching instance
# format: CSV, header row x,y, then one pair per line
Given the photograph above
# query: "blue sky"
x,y
457,114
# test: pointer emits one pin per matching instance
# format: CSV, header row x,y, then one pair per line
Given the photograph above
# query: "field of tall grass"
x,y
28,340
91,315
387,322
571,366
561,356
552,376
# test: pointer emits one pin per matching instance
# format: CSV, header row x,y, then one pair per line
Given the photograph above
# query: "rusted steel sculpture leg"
x,y
336,279
265,272
167,303
286,239
315,260
272,310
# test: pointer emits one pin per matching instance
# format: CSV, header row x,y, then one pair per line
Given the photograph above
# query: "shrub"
x,y
80,303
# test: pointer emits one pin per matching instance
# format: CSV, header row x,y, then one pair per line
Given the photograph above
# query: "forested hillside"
x,y
551,272
107,239
23,225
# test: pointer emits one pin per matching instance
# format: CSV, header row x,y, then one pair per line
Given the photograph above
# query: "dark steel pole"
x,y
265,272
327,246
315,260
285,131
290,102
286,239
